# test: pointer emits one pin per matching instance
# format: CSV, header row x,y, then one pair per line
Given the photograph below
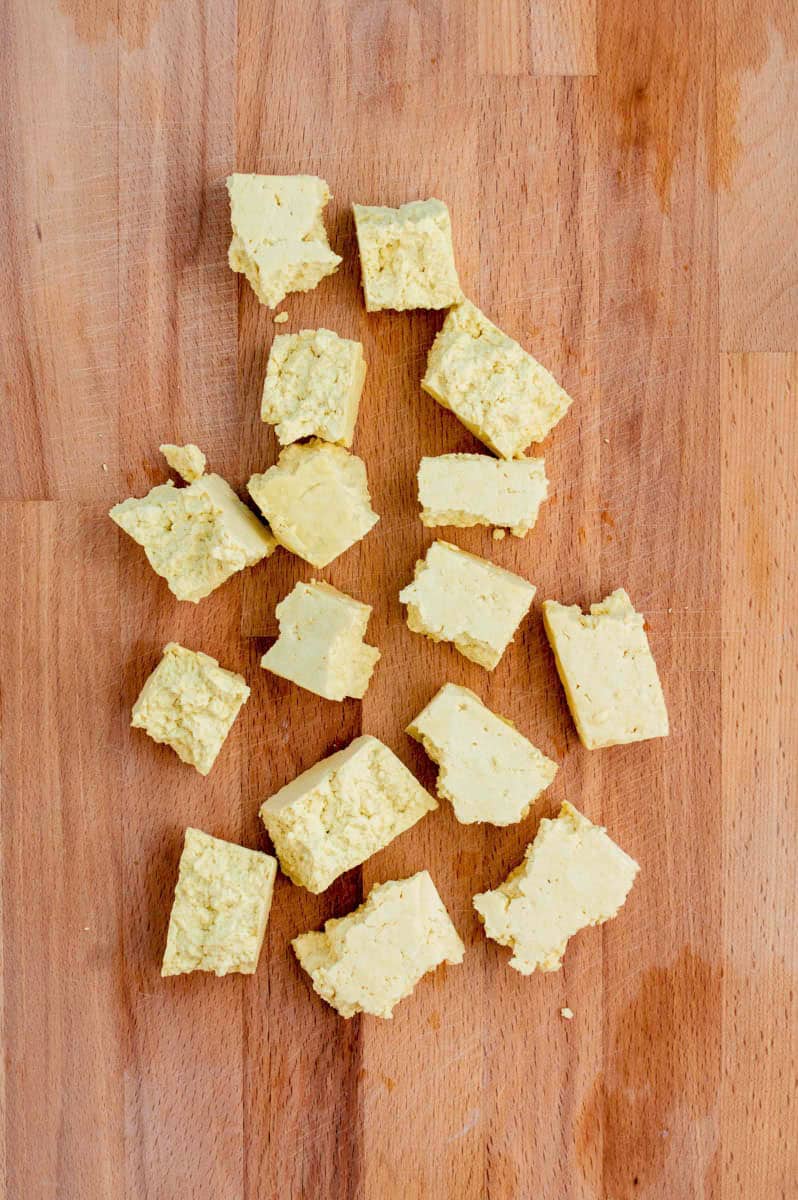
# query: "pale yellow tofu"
x,y
188,461
313,384
475,489
406,255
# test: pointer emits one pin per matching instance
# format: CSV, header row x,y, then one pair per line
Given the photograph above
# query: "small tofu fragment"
x,y
573,875
608,672
461,598
195,537
497,390
189,703
321,645
188,461
475,489
340,812
313,384
281,318
221,906
488,770
406,255
566,1014
371,959
279,240
316,499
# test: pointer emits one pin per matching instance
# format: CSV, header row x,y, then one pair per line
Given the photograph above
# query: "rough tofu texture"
x,y
572,876
498,391
461,598
474,489
195,537
313,384
221,906
188,461
608,672
189,702
279,240
488,770
321,645
316,500
406,256
371,959
340,812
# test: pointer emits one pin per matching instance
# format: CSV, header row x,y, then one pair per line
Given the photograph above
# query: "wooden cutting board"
x,y
621,181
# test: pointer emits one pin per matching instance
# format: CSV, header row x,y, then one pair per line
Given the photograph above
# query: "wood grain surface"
x,y
621,176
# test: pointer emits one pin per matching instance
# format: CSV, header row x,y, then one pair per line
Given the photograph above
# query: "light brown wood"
x,y
600,220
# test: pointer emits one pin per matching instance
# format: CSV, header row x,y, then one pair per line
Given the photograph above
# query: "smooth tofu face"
x,y
461,598
406,256
608,672
371,959
195,537
343,810
316,500
572,876
498,391
488,770
189,703
475,489
221,906
321,646
313,384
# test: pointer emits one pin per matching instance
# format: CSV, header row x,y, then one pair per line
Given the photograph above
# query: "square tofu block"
x,y
371,959
221,906
608,672
475,489
488,770
321,645
188,461
461,598
195,537
189,702
498,391
279,240
316,500
406,255
572,876
343,810
313,385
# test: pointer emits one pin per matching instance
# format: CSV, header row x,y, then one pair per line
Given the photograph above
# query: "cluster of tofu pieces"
x,y
315,503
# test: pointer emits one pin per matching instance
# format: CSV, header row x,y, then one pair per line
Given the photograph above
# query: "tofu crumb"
x,y
281,318
566,1014
105,466
499,535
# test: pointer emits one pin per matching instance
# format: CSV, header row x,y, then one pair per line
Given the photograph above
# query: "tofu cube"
x,y
572,876
321,645
313,385
461,598
316,499
195,537
340,812
221,906
189,703
279,240
406,255
371,959
608,672
188,461
488,770
498,391
474,489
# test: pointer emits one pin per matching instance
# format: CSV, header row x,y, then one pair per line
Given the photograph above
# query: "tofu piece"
x,y
316,499
490,383
221,906
321,645
461,598
608,672
372,958
474,489
188,461
313,384
279,240
488,770
406,255
340,812
573,875
195,537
